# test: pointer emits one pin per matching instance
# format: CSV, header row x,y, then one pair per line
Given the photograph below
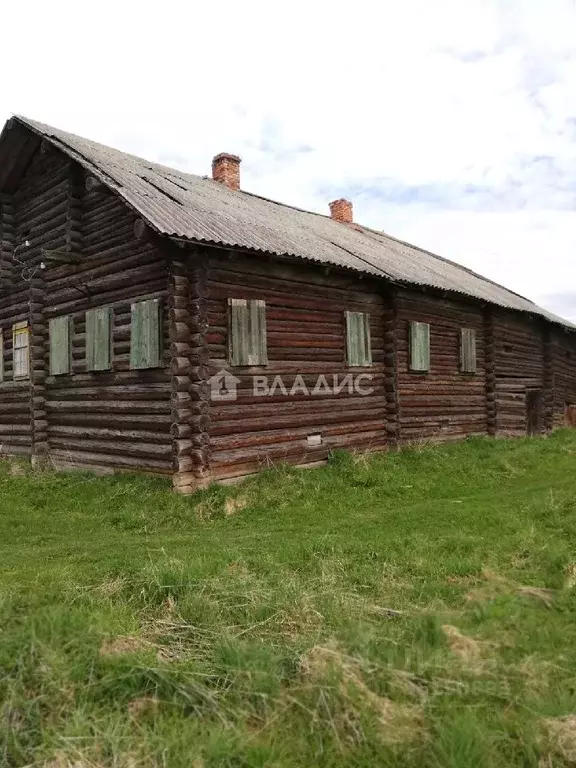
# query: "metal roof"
x,y
199,209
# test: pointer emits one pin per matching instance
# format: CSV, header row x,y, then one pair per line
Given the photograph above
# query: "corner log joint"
x,y
190,427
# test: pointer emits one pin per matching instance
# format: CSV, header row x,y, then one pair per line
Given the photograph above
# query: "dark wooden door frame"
x,y
534,411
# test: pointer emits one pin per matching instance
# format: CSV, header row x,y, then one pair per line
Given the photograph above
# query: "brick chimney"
x,y
226,170
341,210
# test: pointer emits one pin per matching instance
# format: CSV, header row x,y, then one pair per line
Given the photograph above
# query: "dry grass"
x,y
111,587
490,585
570,576
234,505
561,732
466,648
546,596
62,760
16,469
536,674
143,706
118,646
399,723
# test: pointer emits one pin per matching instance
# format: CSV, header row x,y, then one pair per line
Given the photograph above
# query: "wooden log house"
x,y
128,288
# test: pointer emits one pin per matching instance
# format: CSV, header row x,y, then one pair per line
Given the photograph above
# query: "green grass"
x,y
408,609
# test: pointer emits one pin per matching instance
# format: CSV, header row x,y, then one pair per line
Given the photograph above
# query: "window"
x,y
59,331
145,335
21,350
468,350
247,332
419,347
358,347
98,339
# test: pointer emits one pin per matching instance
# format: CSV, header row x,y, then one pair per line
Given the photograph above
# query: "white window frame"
x,y
21,350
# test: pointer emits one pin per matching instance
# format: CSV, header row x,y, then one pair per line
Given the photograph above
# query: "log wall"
x,y
34,218
118,418
442,404
519,362
563,353
306,335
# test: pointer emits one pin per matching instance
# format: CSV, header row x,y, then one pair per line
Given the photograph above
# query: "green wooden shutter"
x,y
419,346
239,332
247,332
353,338
367,358
468,350
145,334
98,339
358,344
258,354
59,330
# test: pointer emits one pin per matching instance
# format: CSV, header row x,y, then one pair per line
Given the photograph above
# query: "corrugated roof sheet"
x,y
185,206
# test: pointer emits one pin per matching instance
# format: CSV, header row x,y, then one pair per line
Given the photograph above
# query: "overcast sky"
x,y
451,124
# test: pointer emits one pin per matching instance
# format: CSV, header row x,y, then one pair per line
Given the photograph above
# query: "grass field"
x,y
410,609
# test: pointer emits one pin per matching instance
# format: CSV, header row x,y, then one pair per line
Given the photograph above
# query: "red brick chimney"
x,y
341,210
226,170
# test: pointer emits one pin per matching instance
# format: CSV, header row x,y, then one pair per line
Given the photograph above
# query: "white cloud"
x,y
326,97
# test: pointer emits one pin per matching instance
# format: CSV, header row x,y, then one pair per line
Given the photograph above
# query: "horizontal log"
x,y
79,457
141,435
113,448
312,420
264,406
14,429
79,406
272,437
281,451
